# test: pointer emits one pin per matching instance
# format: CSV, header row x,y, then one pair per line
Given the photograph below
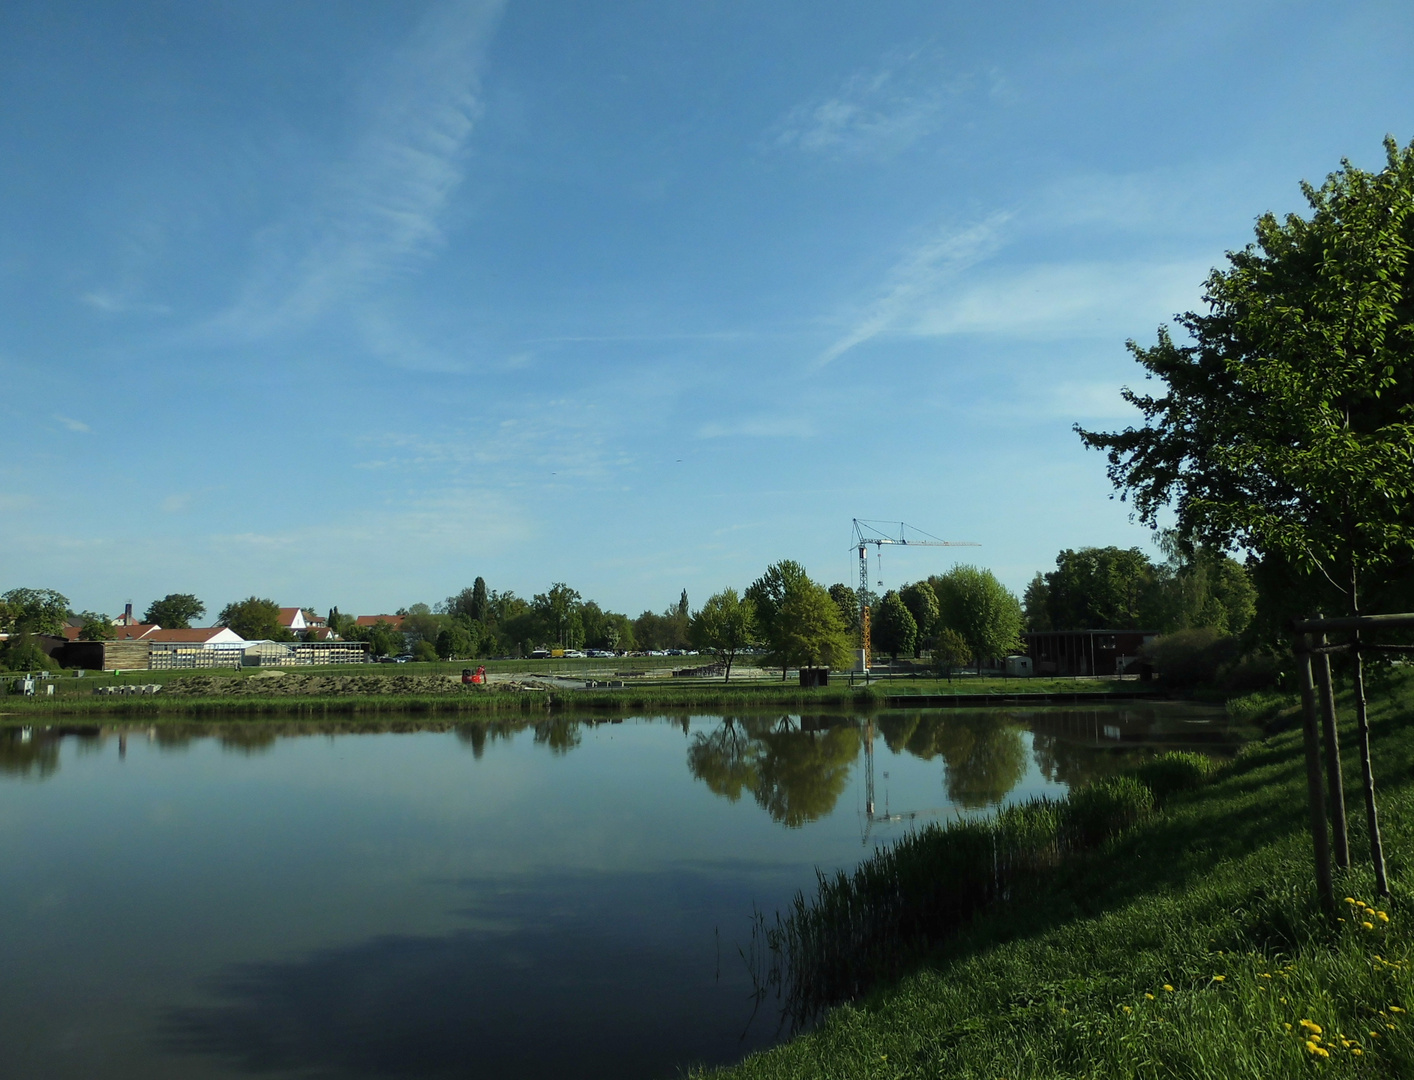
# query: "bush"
x,y
1188,658
1094,814
1175,771
425,650
23,653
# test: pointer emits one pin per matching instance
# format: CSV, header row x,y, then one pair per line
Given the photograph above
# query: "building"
x,y
1085,652
395,621
300,621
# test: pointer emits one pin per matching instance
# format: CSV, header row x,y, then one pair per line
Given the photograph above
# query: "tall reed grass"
x,y
859,927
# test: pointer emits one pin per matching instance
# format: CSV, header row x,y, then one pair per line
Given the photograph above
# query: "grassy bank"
x,y
1189,946
376,690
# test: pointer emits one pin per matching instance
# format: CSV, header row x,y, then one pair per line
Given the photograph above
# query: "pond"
x,y
559,898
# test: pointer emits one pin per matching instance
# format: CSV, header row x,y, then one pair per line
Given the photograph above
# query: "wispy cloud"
x,y
112,304
880,110
381,211
918,277
1061,300
73,425
764,426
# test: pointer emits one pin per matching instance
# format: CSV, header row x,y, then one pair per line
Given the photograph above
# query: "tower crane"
x,y
869,532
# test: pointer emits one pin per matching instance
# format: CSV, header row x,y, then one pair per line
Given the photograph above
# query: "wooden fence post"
x,y
1367,774
1320,839
1334,779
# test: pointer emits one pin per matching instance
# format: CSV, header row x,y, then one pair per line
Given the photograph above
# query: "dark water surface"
x,y
564,899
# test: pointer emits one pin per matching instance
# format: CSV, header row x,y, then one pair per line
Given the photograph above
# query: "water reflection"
x,y
985,754
28,754
794,767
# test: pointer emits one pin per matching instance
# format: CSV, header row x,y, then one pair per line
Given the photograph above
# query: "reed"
x,y
860,928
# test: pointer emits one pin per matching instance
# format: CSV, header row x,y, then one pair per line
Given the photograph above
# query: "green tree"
x,y
1035,604
982,611
255,619
473,603
894,629
456,641
768,594
557,610
724,626
950,651
1105,588
96,627
23,653
36,611
922,604
847,600
808,630
175,611
1285,426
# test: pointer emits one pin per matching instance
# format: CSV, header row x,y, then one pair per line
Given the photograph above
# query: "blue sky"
x,y
348,304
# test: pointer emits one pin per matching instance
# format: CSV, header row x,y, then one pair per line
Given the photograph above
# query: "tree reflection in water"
x,y
795,769
29,755
985,755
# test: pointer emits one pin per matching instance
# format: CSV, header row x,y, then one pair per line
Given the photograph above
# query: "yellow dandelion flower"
x,y
1382,916
1287,1026
1148,997
1356,1051
1127,1009
1282,1000
1374,1034
1368,925
1312,1026
1340,920
1395,1009
1219,978
1350,899
1390,1026
1168,988
1322,1052
1266,975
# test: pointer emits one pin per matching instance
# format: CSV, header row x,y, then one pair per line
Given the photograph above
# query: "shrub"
x,y
1094,814
425,650
1175,771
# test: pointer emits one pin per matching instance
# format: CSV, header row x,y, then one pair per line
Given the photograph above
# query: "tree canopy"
x,y
1284,420
981,610
255,619
894,629
175,611
725,625
34,611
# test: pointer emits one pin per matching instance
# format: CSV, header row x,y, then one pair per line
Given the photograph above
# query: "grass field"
x,y
1191,946
75,696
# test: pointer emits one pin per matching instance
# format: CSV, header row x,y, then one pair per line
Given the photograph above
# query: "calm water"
x,y
560,900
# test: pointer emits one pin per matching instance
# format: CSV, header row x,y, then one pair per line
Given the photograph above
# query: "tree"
x,y
36,611
981,609
556,610
808,630
456,641
472,603
1105,588
725,625
894,629
22,653
255,619
950,652
1035,603
96,627
1285,426
175,611
847,600
768,594
922,604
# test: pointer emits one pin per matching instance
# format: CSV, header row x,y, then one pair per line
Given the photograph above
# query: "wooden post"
x,y
1367,775
1320,840
1334,780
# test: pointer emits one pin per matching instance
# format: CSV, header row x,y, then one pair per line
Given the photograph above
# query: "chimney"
x,y
128,614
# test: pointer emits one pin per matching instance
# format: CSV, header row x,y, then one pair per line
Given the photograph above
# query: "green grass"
x,y
76,697
1183,948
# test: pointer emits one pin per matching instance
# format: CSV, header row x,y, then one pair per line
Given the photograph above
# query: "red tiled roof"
x,y
120,633
371,620
196,635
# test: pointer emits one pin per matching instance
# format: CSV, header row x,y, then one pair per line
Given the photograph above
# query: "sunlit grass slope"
x,y
1191,946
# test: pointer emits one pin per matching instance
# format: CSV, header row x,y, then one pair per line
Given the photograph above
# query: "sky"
x,y
348,304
